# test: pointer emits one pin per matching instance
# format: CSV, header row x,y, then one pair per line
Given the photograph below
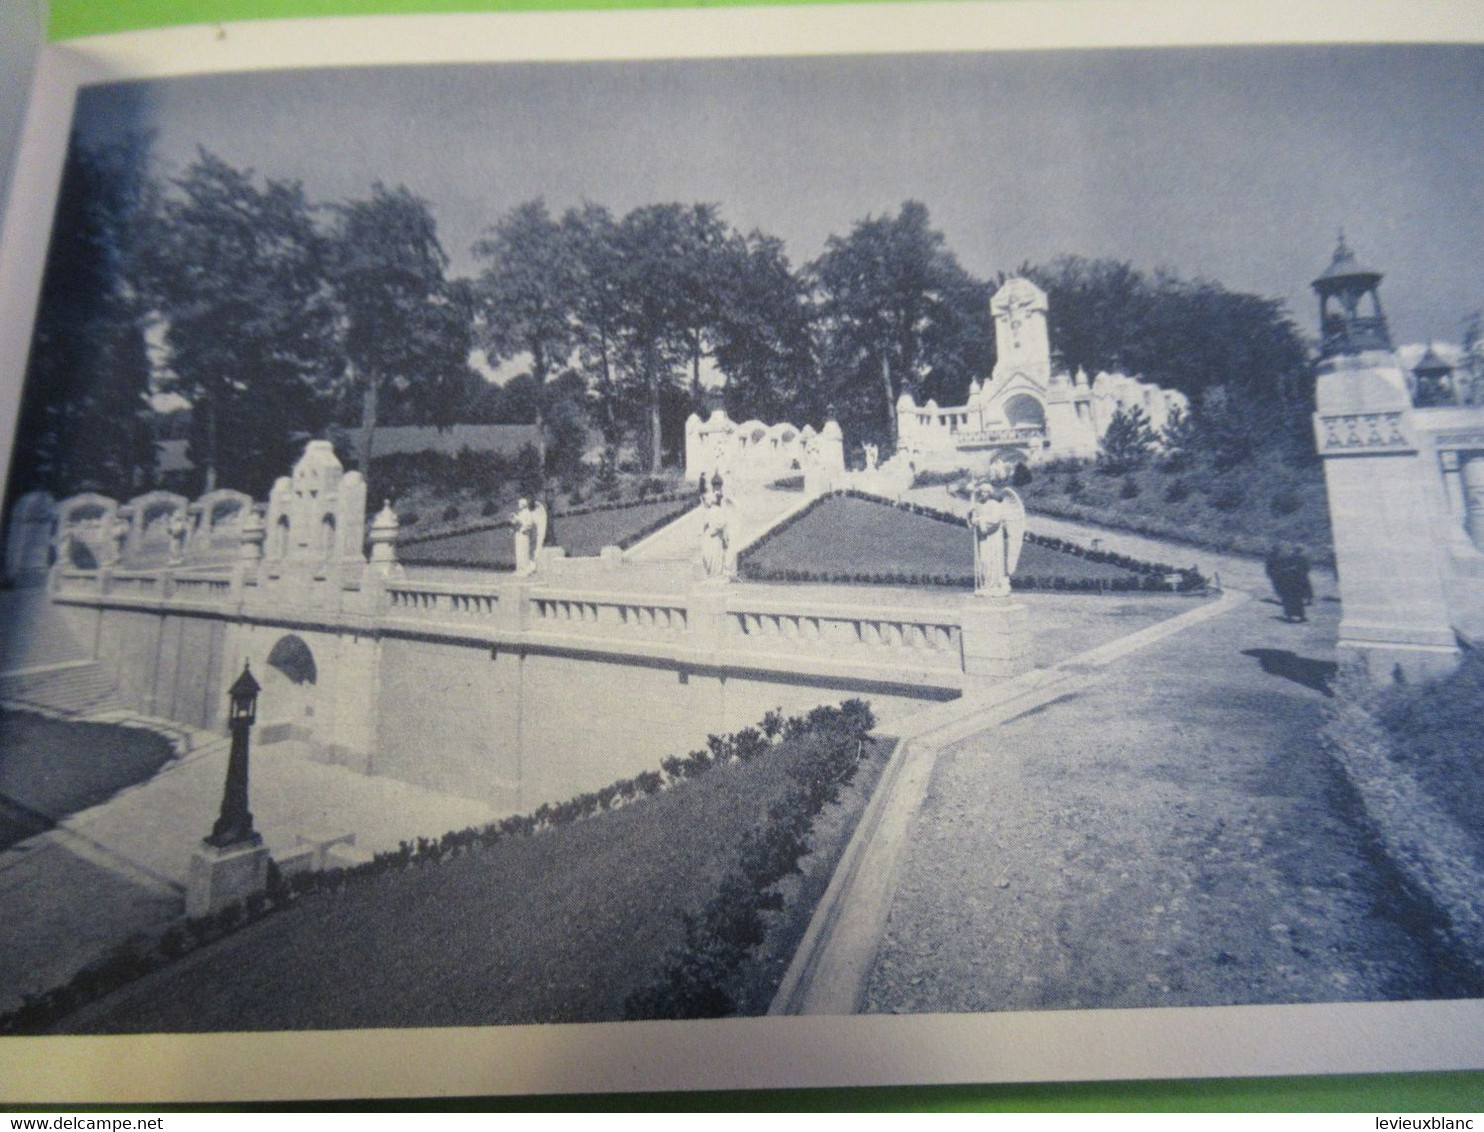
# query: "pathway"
x,y
1161,829
118,870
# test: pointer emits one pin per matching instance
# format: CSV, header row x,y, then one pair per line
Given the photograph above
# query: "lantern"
x,y
244,696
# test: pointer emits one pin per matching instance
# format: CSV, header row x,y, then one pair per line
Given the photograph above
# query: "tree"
x,y
655,248
1126,443
1098,312
84,410
701,275
407,330
898,314
596,306
764,335
1179,440
1186,335
237,274
525,295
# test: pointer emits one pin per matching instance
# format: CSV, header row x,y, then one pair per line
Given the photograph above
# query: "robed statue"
x,y
997,521
715,535
539,536
524,521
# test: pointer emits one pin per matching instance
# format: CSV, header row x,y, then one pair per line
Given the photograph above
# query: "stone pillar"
x,y
994,641
253,533
706,617
384,530
28,541
1395,614
1473,496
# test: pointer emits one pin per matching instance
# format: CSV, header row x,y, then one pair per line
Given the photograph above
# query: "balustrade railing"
x,y
135,583
626,615
725,621
441,600
918,639
197,588
80,582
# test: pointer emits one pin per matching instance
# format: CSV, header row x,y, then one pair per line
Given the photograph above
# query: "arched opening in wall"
x,y
327,535
80,556
1024,411
280,538
286,704
223,524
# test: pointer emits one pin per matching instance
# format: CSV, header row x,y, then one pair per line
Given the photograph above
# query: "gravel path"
x,y
1169,834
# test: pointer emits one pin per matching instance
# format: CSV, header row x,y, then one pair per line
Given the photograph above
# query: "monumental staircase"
x,y
43,664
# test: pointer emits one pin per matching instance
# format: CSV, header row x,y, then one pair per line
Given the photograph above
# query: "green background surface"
x,y
1381,1093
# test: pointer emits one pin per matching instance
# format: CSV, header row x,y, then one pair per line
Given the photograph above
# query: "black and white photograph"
x,y
796,536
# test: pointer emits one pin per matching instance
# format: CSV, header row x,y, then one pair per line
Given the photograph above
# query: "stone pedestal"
x,y
706,614
993,633
1395,610
220,877
1473,496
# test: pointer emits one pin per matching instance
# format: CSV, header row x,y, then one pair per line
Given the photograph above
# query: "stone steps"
x,y
34,633
68,688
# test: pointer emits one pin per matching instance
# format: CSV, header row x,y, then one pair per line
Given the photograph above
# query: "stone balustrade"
x,y
440,599
199,587
915,638
630,615
706,625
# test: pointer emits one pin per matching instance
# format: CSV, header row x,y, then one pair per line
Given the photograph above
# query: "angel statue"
x,y
997,521
538,539
524,522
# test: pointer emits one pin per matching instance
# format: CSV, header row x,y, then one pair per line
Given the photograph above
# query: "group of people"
x,y
1288,571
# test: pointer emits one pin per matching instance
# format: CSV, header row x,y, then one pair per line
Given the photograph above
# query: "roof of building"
x,y
1431,364
1345,267
504,439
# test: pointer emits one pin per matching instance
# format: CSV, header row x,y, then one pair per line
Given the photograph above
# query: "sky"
x,y
1235,165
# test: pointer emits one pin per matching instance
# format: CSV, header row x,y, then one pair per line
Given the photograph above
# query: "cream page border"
x,y
735,1053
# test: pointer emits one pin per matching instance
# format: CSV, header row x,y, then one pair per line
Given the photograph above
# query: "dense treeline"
x,y
275,317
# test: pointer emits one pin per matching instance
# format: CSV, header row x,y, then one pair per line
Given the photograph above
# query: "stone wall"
x,y
758,453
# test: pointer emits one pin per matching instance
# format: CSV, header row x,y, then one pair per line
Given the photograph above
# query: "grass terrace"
x,y
581,531
52,768
852,538
575,914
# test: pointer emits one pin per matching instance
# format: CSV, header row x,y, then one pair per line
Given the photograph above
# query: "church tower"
x,y
1022,344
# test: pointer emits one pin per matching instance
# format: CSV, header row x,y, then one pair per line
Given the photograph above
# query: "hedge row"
x,y
141,956
703,977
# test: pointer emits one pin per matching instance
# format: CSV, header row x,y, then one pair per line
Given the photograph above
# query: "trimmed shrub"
x,y
1285,502
1229,497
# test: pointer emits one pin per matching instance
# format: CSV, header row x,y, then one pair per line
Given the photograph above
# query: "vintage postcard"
x,y
748,548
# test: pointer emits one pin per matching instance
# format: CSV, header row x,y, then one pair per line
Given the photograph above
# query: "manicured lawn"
x,y
52,768
583,535
557,927
847,536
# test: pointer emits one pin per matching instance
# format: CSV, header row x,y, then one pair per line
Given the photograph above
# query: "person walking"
x,y
1290,575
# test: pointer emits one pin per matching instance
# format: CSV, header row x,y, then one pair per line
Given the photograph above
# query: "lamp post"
x,y
234,825
231,864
